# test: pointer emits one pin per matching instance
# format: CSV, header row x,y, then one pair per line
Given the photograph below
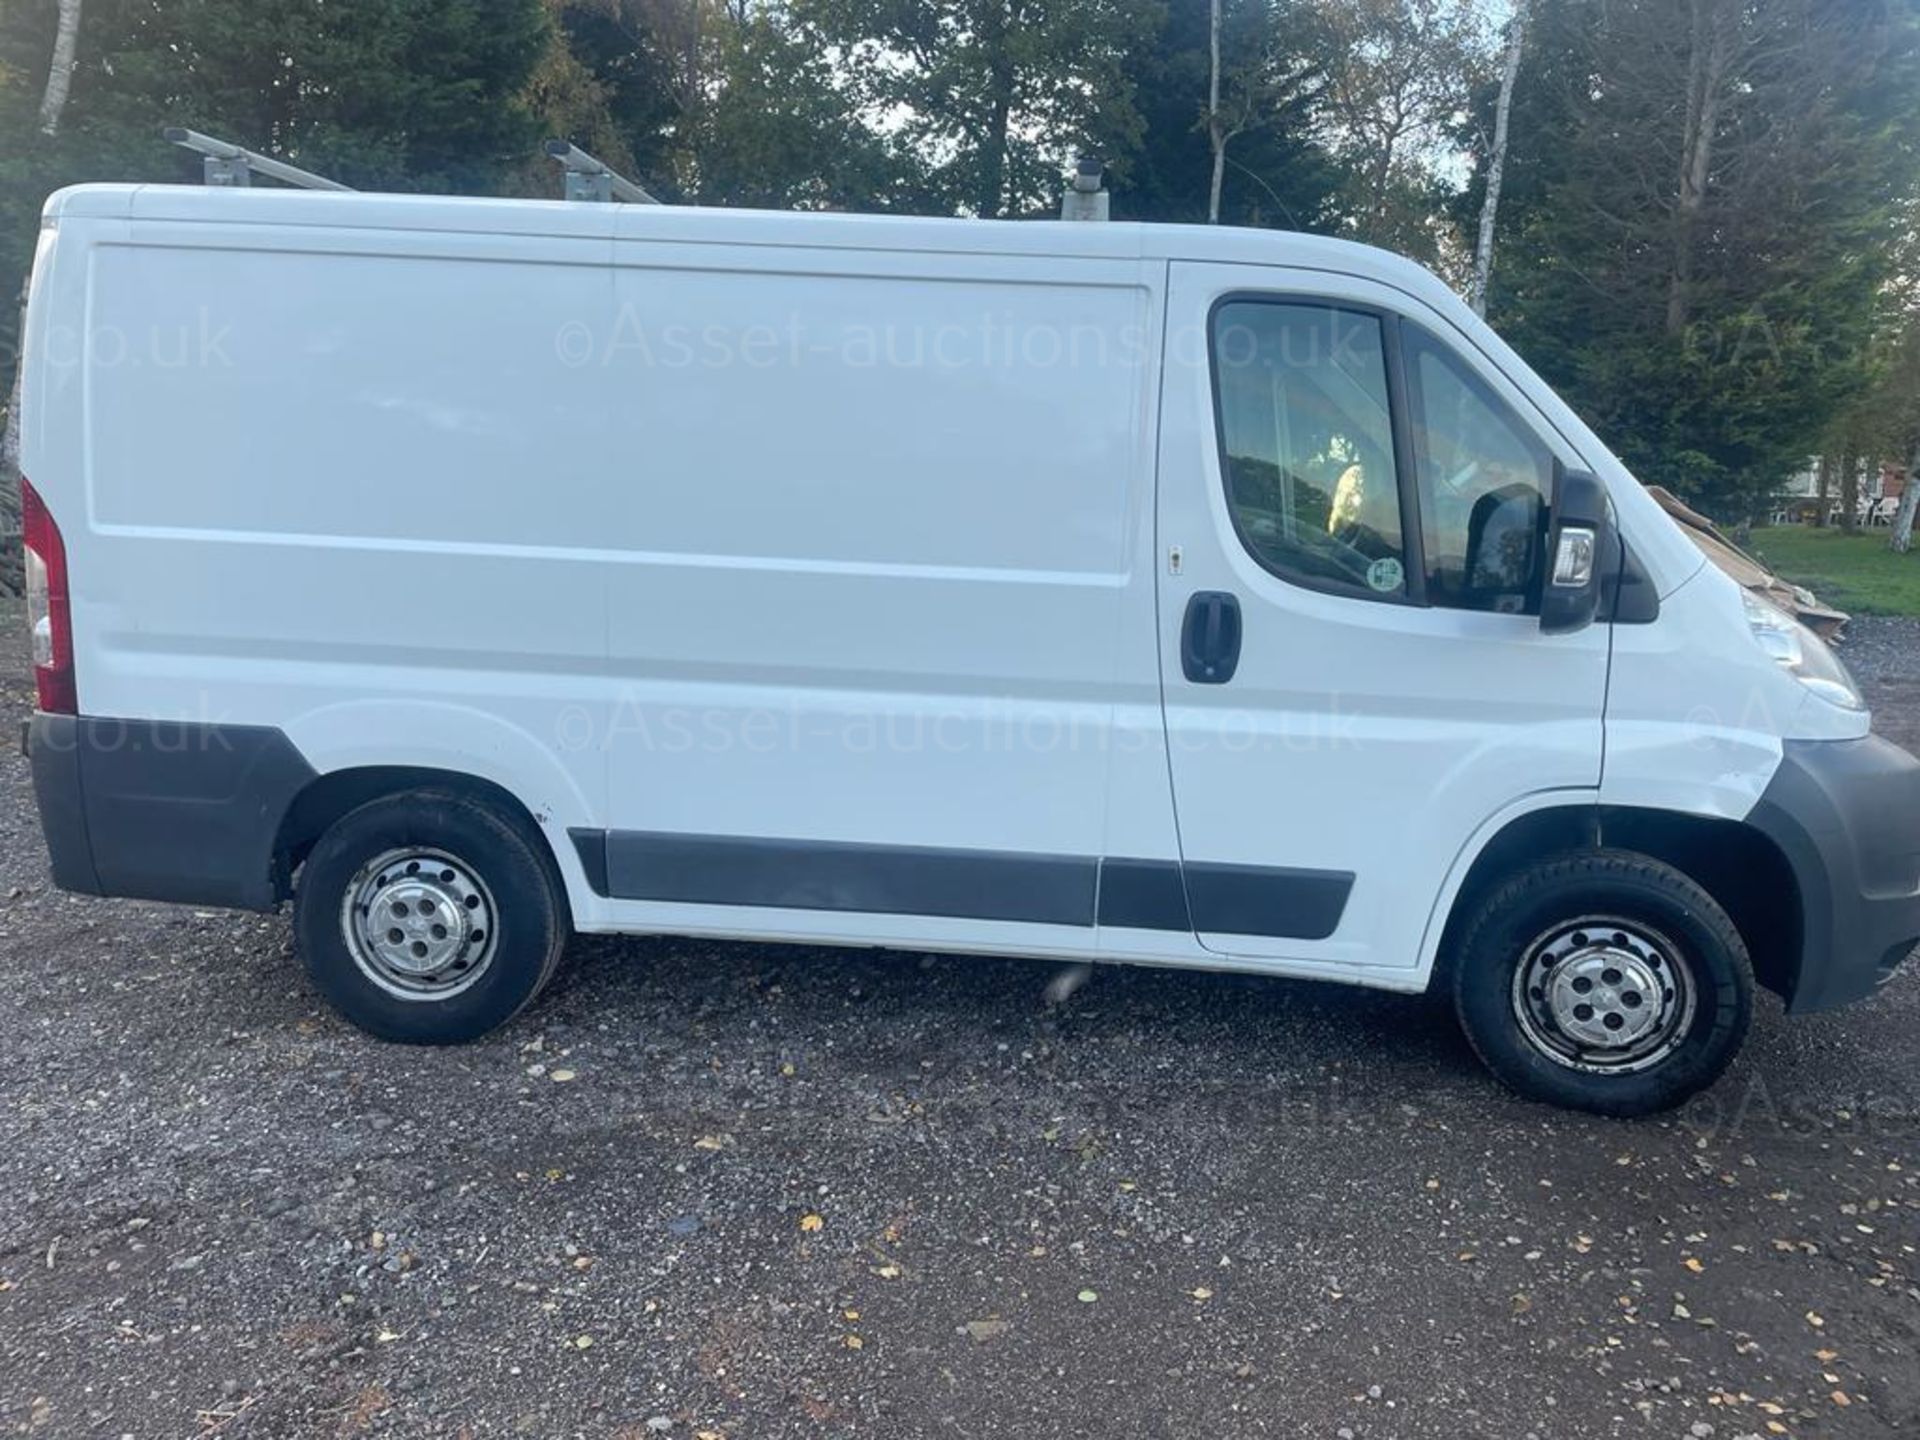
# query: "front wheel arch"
x,y
1743,870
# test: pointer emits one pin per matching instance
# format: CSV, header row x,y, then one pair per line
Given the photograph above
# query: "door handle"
x,y
1210,638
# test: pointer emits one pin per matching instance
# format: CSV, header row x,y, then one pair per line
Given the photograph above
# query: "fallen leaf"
x,y
1202,1293
811,1223
709,1142
854,1342
1840,1397
887,1272
1814,1320
1694,1265
583,1342
1087,1297
1826,1357
386,1337
851,1314
560,1077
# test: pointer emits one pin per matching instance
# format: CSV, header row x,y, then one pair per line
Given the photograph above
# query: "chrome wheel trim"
x,y
1604,995
420,923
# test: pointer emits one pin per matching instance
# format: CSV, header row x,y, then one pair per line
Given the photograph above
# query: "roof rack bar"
x,y
589,179
234,165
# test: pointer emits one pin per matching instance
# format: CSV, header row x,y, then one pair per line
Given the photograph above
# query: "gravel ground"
x,y
722,1190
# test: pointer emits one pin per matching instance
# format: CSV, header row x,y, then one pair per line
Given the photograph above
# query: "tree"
x,y
716,102
1274,168
66,36
1901,538
987,99
1898,398
402,94
1402,73
1497,161
1217,132
1703,223
778,130
1269,77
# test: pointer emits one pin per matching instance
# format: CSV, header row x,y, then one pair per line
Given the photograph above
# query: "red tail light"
x,y
48,611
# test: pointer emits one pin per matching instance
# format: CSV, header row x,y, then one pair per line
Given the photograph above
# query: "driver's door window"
x,y
1306,433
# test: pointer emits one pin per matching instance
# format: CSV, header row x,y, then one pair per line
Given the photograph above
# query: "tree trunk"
x,y
1497,163
10,553
993,146
1216,128
1850,493
1901,540
1707,69
10,461
60,73
10,451
1823,493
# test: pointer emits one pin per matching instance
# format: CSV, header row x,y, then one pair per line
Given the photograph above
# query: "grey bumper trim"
x,y
163,810
1846,814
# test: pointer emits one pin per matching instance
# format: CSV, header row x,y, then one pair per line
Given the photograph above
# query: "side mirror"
x,y
1579,542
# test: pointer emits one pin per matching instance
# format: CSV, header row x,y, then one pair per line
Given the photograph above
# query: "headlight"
x,y
1801,653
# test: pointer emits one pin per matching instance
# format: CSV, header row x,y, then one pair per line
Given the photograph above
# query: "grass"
x,y
1857,573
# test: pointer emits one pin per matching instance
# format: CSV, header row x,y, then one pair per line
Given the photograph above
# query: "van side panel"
x,y
342,484
880,515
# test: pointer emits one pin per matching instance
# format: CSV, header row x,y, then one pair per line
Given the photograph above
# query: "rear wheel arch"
x,y
1741,868
331,796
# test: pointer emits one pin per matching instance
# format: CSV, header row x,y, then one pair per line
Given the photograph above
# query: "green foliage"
x,y
1712,346
1400,71
988,98
779,131
1278,172
396,94
1716,335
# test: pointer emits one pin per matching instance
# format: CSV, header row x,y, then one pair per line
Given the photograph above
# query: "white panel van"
x,y
469,572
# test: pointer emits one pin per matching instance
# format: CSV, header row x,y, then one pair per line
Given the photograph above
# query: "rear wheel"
x,y
1605,981
429,917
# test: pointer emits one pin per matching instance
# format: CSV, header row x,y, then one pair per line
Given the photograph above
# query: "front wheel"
x,y
429,917
1605,981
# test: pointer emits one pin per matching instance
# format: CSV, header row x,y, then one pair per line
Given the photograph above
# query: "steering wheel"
x,y
1346,560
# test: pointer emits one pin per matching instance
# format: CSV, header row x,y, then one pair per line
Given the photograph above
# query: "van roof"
x,y
692,224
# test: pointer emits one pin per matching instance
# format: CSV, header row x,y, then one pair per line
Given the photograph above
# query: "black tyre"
x,y
1604,981
429,917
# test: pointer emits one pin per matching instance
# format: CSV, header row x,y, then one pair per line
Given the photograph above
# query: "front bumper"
x,y
1846,814
163,810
